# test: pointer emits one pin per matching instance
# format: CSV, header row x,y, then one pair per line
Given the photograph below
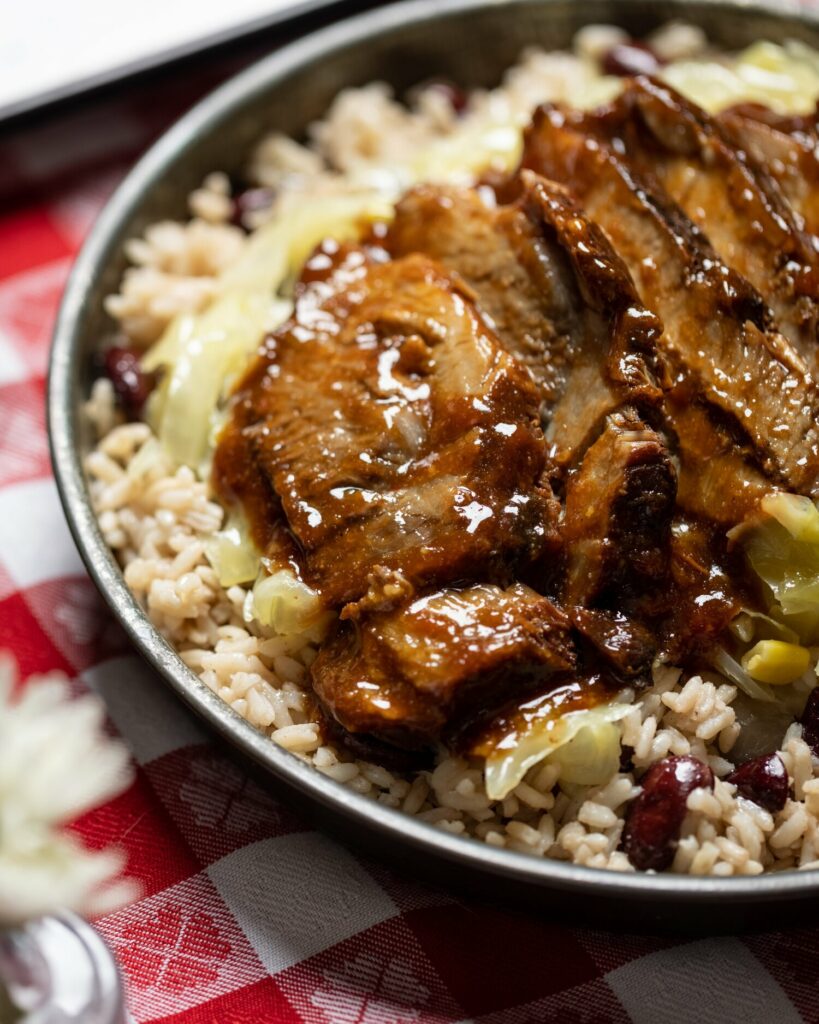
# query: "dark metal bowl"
x,y
471,42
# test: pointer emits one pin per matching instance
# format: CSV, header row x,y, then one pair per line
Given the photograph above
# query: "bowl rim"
x,y
62,417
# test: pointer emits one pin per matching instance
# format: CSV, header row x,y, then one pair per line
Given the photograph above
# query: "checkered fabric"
x,y
248,915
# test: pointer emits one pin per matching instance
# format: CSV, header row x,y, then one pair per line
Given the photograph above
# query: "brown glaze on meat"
x,y
710,584
788,148
558,295
716,478
619,506
416,674
394,431
728,195
506,437
625,646
718,336
518,717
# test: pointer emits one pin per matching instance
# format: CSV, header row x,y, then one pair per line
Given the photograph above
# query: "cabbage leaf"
x,y
202,355
785,78
232,553
507,765
284,603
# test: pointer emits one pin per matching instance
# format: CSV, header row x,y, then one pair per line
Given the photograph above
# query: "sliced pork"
x,y
559,297
506,436
788,147
412,675
394,431
718,337
619,506
729,195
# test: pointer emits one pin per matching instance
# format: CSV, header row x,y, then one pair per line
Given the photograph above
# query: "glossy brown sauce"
x,y
543,711
506,444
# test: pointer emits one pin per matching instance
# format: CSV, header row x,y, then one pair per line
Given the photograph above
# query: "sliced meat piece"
x,y
625,646
787,147
717,335
558,295
394,430
791,124
729,196
421,672
522,283
619,506
707,591
715,480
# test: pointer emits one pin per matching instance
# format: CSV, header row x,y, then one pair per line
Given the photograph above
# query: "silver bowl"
x,y
471,42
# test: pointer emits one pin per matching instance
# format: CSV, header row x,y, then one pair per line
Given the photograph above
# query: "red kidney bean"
x,y
453,94
631,58
763,780
810,722
131,384
654,820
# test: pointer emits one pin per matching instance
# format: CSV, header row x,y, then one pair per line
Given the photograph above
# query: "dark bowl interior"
x,y
471,43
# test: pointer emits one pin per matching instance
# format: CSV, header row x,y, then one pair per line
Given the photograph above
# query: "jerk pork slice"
x,y
557,294
718,338
619,507
788,147
406,676
394,431
728,194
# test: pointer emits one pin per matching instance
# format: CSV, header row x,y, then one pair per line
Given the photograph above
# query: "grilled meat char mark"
x,y
717,335
727,194
420,673
555,291
393,429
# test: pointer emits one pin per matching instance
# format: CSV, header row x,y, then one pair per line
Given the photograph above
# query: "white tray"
x,y
51,49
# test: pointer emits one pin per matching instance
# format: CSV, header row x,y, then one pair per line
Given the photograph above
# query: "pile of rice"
x,y
157,518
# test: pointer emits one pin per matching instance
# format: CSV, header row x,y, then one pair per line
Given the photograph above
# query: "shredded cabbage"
x,y
592,757
212,348
731,669
284,603
796,513
750,625
790,567
149,457
506,766
785,78
232,552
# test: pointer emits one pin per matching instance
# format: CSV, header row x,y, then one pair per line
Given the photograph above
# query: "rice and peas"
x,y
196,301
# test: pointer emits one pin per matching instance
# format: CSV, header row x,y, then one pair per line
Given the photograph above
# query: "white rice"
x,y
158,517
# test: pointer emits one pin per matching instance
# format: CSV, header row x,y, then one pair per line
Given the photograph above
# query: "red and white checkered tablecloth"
x,y
247,914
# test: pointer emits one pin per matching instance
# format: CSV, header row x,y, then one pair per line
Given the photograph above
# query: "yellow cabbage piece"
x,y
284,603
213,347
232,552
592,756
506,767
796,513
790,567
785,78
